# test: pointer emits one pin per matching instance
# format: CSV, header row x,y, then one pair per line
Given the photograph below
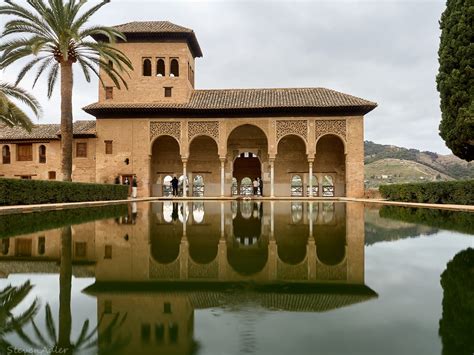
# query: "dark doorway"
x,y
247,165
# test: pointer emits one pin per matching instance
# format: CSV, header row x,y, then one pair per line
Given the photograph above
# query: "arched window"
x,y
296,212
198,186
198,212
174,67
246,186
5,246
235,190
181,181
6,154
42,154
146,67
314,183
160,67
296,186
246,209
183,212
328,186
41,245
328,211
167,189
168,209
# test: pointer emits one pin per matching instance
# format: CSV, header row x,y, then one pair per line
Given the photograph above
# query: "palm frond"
x,y
21,95
50,327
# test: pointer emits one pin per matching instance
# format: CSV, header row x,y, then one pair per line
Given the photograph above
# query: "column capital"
x,y
222,159
184,160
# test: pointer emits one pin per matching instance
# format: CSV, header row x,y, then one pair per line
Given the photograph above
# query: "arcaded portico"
x,y
299,141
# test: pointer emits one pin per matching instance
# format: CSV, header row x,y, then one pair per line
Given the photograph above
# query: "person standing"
x,y
255,187
174,185
134,187
260,186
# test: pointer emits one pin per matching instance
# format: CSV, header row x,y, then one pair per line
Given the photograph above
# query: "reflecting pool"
x,y
237,277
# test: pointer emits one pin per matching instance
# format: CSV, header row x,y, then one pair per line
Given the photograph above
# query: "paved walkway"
x,y
60,206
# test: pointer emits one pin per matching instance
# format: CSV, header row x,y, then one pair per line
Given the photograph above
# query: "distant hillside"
x,y
391,164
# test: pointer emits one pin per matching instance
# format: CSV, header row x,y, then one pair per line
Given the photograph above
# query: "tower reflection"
x,y
180,257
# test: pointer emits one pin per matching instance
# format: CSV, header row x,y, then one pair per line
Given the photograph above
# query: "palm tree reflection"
x,y
10,298
58,339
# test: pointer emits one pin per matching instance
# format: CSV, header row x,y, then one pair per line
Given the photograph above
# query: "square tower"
x,y
162,55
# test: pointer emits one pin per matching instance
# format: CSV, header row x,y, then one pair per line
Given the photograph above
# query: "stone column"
x,y
222,176
272,177
310,169
184,249
272,247
222,249
185,181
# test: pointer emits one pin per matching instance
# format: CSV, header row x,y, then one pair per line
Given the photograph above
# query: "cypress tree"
x,y
455,80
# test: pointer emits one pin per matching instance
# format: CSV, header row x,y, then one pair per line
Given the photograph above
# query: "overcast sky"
x,y
383,51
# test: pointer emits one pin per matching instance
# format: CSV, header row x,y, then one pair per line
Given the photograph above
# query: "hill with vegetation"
x,y
391,164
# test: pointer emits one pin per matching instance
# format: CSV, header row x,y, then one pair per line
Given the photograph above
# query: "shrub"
x,y
462,222
26,223
445,192
26,192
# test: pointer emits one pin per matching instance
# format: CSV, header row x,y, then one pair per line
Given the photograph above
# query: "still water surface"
x,y
237,278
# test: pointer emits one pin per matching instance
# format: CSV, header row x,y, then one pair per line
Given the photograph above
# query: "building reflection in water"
x,y
293,256
164,260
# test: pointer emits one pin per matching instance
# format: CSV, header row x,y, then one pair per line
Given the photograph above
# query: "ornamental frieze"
x,y
337,127
203,128
297,127
172,129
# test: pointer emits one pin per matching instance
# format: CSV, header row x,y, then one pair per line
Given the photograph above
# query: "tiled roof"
x,y
151,27
157,29
249,99
46,131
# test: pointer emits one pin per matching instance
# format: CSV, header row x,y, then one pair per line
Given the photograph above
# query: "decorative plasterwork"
x,y
172,129
337,127
297,127
206,128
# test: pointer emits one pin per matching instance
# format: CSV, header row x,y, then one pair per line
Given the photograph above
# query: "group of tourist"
x,y
258,186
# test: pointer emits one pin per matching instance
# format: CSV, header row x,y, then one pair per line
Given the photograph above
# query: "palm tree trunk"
x,y
66,120
65,278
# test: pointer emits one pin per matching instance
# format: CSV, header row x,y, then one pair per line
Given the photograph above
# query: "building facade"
x,y
300,141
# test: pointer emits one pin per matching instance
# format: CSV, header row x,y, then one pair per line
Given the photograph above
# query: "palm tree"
x,y
55,34
11,114
10,298
105,337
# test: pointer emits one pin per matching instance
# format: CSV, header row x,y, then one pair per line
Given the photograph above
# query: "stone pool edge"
x,y
60,206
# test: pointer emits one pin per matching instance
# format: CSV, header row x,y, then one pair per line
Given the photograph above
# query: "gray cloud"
x,y
385,51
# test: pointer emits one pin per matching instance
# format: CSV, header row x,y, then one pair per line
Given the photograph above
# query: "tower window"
x,y
146,67
160,67
51,175
42,154
174,67
109,92
168,92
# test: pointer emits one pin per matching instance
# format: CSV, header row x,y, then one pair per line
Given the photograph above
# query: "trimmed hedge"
x,y
25,223
445,192
26,192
